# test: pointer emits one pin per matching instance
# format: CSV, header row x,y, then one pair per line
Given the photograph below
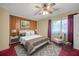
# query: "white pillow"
x,y
32,33
27,33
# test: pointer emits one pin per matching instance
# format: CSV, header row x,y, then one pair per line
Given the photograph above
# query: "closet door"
x,y
76,31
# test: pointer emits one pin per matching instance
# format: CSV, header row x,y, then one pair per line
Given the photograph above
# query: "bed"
x,y
32,41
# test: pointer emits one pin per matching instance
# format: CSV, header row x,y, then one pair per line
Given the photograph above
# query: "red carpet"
x,y
65,51
69,51
9,52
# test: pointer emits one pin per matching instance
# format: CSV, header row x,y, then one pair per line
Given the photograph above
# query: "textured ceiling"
x,y
27,10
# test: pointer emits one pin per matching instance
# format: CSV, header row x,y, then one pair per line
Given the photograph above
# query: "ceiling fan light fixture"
x,y
46,8
45,13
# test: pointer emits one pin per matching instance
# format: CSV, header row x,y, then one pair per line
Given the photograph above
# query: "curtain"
x,y
49,29
70,28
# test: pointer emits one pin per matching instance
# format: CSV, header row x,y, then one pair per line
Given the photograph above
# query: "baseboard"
x,y
3,51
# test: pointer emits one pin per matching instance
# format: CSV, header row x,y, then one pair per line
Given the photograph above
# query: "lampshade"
x,y
36,30
14,31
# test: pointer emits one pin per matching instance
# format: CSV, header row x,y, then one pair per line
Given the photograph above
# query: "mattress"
x,y
33,42
23,39
32,45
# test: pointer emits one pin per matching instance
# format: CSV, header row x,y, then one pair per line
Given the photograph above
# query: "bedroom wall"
x,y
43,23
15,23
4,29
43,27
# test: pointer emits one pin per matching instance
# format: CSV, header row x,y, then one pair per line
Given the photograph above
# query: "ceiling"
x,y
27,10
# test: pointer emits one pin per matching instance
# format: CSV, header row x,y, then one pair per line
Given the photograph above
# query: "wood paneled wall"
x,y
15,23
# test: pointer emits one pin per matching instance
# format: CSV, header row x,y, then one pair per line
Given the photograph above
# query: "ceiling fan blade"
x,y
37,12
54,9
52,4
49,7
37,6
50,12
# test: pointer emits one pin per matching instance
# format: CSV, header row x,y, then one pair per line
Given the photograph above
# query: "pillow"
x,y
32,33
23,34
27,33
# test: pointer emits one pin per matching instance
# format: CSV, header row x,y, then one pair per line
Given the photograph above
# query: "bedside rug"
x,y
46,50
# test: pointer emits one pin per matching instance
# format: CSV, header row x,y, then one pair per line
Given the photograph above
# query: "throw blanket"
x,y
30,44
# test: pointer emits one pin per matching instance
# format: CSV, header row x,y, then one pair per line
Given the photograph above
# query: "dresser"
x,y
14,39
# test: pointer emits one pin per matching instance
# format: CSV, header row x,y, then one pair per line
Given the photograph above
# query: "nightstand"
x,y
14,39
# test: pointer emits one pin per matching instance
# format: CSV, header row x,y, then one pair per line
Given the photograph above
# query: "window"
x,y
64,26
56,26
59,26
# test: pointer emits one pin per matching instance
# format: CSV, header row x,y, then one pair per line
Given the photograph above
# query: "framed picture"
x,y
25,24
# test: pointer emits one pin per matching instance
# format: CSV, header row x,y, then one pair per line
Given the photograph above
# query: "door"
x,y
76,31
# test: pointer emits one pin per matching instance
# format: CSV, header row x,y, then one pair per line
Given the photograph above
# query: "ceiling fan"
x,y
45,8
